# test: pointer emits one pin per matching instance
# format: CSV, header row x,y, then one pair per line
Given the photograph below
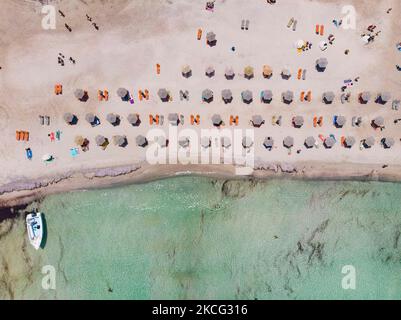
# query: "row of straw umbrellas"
x,y
249,71
174,119
247,142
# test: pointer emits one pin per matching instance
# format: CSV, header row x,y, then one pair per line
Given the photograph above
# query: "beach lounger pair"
x,y
143,94
22,135
195,119
154,120
319,30
234,120
103,95
245,24
184,95
44,120
305,96
317,122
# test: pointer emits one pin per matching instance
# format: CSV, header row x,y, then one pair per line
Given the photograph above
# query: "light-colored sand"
x,y
135,35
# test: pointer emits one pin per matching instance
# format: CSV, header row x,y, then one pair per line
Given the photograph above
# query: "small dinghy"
x,y
34,225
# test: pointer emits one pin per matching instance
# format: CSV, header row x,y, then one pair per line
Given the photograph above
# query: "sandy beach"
x,y
134,36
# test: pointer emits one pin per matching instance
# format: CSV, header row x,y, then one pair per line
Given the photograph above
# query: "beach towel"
x,y
74,152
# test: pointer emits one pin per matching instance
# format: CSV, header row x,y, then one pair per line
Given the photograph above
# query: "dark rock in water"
x,y
237,188
11,212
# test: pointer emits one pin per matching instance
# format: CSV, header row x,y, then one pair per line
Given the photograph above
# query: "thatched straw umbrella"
x,y
207,95
288,96
227,96
340,121
349,142
123,93
162,141
211,39
285,74
79,140
329,142
378,122
186,71
113,119
383,97
267,71
80,94
101,141
321,64
210,72
364,97
120,141
288,142
173,119
69,118
328,97
229,73
216,120
141,141
248,72
369,142
247,142
298,121
388,142
163,94
257,121
268,143
91,118
310,142
133,119
266,96
247,96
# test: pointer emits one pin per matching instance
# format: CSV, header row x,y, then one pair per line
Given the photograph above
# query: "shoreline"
x,y
23,192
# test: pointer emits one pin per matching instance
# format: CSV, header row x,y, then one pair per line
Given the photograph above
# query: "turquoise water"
x,y
198,238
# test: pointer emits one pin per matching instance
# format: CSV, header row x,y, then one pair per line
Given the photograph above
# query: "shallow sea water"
x,y
201,238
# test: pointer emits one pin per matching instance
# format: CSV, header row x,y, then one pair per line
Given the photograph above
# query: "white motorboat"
x,y
34,225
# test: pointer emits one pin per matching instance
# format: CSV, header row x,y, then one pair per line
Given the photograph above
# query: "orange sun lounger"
x,y
140,95
231,120
299,74
106,95
342,140
309,96
146,96
199,35
314,122
197,119
58,89
157,68
302,97
150,119
322,30
157,119
320,121
26,135
317,29
192,119
17,135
